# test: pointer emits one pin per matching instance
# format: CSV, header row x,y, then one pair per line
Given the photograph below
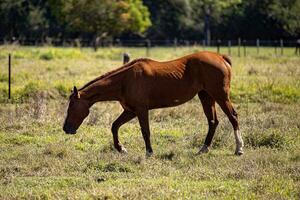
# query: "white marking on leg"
x,y
123,150
239,142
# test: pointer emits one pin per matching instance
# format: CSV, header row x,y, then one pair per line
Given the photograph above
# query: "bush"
x,y
274,139
112,167
3,77
112,54
47,56
62,89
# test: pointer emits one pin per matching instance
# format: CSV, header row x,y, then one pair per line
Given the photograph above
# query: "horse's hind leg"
x,y
208,104
228,109
126,116
143,117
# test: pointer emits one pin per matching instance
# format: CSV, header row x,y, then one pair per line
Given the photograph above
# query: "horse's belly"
x,y
161,92
171,95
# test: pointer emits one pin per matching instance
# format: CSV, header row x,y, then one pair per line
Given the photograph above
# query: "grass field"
x,y
39,161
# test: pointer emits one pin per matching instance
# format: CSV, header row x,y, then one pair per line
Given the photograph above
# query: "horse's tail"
x,y
227,59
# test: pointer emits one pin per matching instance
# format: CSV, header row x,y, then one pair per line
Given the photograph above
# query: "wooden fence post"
x,y
229,47
218,45
175,44
281,47
257,46
9,76
275,44
187,43
245,50
239,47
126,58
203,44
148,45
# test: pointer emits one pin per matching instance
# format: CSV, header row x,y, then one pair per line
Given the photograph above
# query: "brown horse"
x,y
145,84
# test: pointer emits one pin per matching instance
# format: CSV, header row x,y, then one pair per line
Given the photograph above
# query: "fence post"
x,y
257,46
126,58
175,44
218,45
148,45
297,52
9,76
281,47
245,50
275,47
239,47
187,43
229,47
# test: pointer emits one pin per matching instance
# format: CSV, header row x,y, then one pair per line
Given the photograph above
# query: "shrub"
x,y
62,89
112,167
274,139
47,55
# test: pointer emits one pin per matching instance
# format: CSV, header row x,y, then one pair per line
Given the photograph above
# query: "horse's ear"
x,y
76,93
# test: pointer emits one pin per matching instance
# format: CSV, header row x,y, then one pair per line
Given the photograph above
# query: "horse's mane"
x,y
114,72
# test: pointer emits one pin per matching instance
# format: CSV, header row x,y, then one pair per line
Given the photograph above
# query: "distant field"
x,y
37,160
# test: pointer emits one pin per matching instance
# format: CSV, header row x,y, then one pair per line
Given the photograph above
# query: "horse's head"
x,y
78,110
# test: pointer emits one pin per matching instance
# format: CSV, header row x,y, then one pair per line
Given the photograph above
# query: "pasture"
x,y
38,160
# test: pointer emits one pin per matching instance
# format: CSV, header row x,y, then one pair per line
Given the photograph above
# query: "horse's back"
x,y
203,60
170,83
197,69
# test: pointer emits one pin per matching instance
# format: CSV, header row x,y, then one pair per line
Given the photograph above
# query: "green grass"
x,y
39,161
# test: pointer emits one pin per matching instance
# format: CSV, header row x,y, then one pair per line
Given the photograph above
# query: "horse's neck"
x,y
106,89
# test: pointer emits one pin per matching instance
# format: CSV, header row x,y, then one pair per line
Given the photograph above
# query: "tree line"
x,y
154,19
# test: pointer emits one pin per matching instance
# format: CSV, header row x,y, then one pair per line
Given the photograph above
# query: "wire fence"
x,y
239,47
65,42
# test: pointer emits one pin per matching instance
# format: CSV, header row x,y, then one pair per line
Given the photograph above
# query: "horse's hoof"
x,y
123,150
239,152
203,150
148,154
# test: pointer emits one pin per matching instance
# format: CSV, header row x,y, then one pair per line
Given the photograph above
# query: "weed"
x,y
168,156
272,139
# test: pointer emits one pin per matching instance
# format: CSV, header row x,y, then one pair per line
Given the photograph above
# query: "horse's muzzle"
x,y
69,129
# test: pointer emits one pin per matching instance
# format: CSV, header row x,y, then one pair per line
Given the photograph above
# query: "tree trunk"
x,y
96,42
98,38
207,33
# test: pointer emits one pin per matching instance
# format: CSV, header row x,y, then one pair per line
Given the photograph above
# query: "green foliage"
x,y
182,19
47,56
253,92
21,17
3,78
62,89
170,18
210,14
112,54
51,53
267,19
287,14
30,89
268,139
111,167
111,18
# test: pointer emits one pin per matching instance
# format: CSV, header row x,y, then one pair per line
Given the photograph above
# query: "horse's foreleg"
x,y
126,116
144,123
208,104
